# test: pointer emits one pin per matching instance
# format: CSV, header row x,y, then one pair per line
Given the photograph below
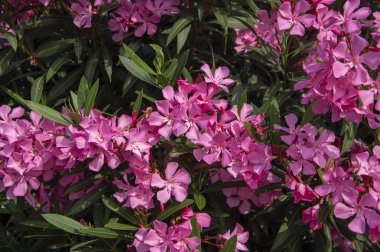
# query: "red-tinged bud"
x,y
198,79
298,178
162,207
374,48
41,193
336,31
134,117
33,60
141,226
349,170
360,188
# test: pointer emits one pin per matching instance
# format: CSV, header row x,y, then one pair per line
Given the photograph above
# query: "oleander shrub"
x,y
194,125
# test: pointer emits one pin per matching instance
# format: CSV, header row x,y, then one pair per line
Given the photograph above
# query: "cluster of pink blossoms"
x,y
35,151
352,187
143,15
342,71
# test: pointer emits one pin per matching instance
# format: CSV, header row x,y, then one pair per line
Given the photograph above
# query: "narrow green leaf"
x,y
90,98
137,71
12,40
48,113
200,201
87,201
65,84
308,115
169,211
160,58
37,88
5,60
82,92
82,184
221,185
91,66
137,60
230,245
101,232
107,61
80,245
270,187
57,64
221,16
53,47
113,206
13,95
349,136
274,113
37,224
255,9
63,222
121,226
177,28
182,38
181,66
137,104
196,231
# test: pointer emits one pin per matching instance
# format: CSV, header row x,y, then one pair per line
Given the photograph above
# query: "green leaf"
x,y
101,232
181,66
200,201
37,88
230,245
91,66
137,71
82,92
255,9
14,95
82,184
221,185
12,40
323,240
349,136
48,113
86,201
169,211
5,60
57,64
113,206
160,58
221,16
107,61
64,84
63,222
196,231
53,47
269,187
82,244
177,28
90,98
121,226
182,38
37,224
137,60
308,115
288,233
161,80
359,245
137,104
274,112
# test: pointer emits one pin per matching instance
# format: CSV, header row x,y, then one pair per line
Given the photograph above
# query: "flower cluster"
x,y
342,70
143,15
351,186
34,152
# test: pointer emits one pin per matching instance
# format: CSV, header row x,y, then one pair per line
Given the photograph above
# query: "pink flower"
x,y
310,215
219,78
296,20
362,211
242,237
147,21
84,13
352,15
176,183
355,60
245,39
